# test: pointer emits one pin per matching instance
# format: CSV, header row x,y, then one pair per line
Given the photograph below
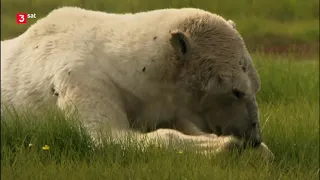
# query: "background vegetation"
x,y
271,25
284,36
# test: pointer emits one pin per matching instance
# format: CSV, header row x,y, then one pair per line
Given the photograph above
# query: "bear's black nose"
x,y
254,142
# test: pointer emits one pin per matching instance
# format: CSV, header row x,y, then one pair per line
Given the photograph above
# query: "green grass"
x,y
289,111
262,23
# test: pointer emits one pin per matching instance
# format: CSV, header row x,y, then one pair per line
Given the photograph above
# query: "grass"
x,y
289,112
270,24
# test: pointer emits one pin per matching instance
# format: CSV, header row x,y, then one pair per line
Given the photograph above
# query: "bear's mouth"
x,y
218,130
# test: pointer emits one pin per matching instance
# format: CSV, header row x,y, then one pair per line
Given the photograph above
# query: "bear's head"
x,y
215,65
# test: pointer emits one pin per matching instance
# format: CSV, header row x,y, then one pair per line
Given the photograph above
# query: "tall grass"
x,y
289,112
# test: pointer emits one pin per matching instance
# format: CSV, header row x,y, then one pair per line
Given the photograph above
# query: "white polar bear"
x,y
170,73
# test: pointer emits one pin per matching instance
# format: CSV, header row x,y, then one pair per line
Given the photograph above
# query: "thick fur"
x,y
153,74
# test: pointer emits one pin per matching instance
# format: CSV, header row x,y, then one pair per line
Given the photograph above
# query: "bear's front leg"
x,y
203,144
207,144
95,100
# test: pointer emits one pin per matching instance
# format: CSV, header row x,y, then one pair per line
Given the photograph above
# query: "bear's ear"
x,y
180,42
233,24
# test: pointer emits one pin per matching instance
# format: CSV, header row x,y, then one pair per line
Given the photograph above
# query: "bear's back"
x,y
55,43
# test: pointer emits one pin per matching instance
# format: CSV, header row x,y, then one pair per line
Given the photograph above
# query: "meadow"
x,y
288,101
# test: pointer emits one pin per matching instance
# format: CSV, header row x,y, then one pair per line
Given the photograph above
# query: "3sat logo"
x,y
22,18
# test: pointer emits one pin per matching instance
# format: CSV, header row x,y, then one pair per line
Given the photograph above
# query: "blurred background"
x,y
277,26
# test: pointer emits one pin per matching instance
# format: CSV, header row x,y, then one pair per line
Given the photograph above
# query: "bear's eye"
x,y
243,67
238,94
254,124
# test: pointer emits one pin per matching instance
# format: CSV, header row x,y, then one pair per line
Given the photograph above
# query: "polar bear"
x,y
169,74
